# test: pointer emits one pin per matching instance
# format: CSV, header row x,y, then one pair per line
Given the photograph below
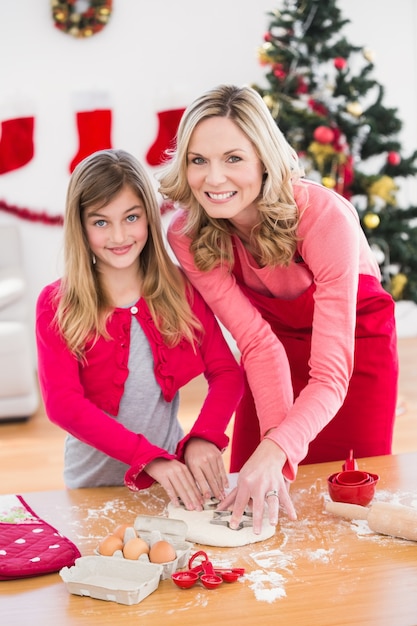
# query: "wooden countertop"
x,y
317,571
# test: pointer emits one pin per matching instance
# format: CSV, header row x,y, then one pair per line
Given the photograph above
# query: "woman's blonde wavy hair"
x,y
83,307
274,237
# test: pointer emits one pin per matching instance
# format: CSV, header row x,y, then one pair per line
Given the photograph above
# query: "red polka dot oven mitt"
x,y
28,545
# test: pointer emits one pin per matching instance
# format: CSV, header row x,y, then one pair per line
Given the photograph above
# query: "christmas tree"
x,y
324,99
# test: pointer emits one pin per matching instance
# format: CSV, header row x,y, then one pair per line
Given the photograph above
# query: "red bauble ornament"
x,y
302,86
393,158
278,71
268,36
340,63
317,107
323,134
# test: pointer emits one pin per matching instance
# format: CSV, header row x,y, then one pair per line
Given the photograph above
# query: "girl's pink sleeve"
x,y
67,406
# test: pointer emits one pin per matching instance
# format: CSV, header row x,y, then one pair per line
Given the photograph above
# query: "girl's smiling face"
x,y
117,232
224,171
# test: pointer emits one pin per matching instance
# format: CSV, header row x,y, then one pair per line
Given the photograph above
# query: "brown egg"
x,y
162,552
134,548
109,545
119,531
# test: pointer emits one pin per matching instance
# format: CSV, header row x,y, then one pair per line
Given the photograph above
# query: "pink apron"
x,y
365,422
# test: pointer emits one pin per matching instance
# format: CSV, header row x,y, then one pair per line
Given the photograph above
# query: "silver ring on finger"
x,y
273,492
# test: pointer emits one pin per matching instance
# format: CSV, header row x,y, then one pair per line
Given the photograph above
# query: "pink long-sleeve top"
x,y
335,252
82,397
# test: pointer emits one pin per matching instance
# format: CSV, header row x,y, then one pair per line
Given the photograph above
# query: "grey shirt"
x,y
142,410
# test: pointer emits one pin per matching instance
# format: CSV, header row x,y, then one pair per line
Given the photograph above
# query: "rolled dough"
x,y
201,531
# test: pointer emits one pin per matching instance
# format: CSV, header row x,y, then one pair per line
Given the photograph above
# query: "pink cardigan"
x,y
334,251
78,396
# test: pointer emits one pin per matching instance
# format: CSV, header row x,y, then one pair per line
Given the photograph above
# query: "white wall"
x,y
153,55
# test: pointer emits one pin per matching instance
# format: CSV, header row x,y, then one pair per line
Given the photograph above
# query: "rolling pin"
x,y
396,520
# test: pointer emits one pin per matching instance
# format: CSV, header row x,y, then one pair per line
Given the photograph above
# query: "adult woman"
x,y
285,266
118,336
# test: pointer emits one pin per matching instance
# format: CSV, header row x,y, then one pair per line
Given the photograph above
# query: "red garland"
x,y
31,216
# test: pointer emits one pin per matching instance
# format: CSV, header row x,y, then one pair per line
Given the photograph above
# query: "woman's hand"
x,y
205,462
260,480
178,482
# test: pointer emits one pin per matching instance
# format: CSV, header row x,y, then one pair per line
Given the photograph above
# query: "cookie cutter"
x,y
208,505
222,518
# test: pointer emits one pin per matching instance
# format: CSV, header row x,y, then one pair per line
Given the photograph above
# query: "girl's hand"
x,y
178,482
260,480
205,462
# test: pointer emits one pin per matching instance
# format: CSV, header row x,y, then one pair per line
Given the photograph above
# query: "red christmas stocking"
x,y
94,132
168,126
16,143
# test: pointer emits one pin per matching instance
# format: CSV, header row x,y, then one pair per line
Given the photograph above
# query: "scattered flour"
x,y
360,526
404,497
273,559
320,555
110,507
200,599
267,586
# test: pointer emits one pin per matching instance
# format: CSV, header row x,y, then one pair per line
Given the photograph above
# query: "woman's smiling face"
x,y
224,171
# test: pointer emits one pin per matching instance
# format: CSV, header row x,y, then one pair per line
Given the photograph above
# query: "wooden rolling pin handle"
x,y
349,511
383,517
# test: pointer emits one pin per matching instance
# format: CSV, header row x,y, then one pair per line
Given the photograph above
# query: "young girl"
x,y
117,337
286,267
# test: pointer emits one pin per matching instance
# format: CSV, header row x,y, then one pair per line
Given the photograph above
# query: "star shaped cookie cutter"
x,y
222,518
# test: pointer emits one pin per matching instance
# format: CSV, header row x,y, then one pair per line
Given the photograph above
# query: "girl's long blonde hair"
x,y
83,306
275,234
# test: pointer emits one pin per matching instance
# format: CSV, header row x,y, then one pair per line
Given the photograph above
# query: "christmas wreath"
x,y
81,18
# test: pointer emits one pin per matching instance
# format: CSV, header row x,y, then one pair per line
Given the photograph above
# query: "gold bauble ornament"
x,y
321,153
354,108
263,57
371,220
272,104
398,283
384,188
328,182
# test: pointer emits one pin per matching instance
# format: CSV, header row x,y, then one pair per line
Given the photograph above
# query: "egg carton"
x,y
116,580
153,529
